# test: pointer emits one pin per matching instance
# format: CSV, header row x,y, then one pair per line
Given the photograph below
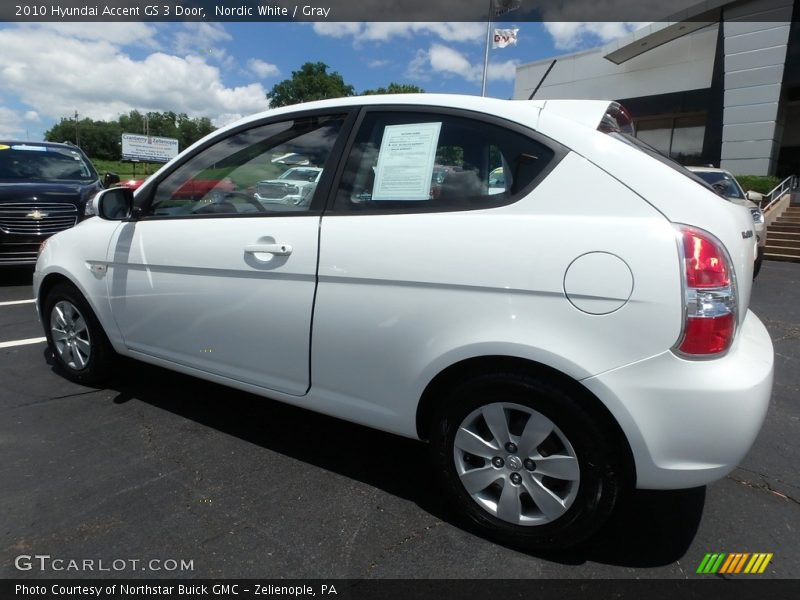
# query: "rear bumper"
x,y
690,423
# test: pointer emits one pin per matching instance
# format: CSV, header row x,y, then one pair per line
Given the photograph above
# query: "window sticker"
x,y
29,148
405,162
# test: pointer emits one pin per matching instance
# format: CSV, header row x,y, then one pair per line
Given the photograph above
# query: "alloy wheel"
x,y
516,464
70,335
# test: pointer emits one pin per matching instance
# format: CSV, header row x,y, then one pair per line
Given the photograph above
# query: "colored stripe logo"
x,y
734,563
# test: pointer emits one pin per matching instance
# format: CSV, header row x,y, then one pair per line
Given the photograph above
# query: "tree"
x,y
311,82
101,139
395,88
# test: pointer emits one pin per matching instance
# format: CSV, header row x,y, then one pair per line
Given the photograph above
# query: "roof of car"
x,y
29,143
527,112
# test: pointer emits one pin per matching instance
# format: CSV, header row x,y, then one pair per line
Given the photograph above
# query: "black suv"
x,y
44,188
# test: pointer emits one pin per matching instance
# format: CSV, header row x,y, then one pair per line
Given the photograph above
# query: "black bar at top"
x,y
386,10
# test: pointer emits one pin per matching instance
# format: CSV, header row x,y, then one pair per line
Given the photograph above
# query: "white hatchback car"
x,y
583,330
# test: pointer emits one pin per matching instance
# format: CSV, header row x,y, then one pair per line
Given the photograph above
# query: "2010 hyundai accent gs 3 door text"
x,y
576,329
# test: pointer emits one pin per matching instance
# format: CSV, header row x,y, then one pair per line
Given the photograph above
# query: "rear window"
x,y
650,151
36,162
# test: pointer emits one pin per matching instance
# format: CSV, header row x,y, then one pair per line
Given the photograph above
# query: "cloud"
x,y
10,124
55,74
262,69
199,38
204,40
375,63
443,60
572,35
383,32
121,34
31,116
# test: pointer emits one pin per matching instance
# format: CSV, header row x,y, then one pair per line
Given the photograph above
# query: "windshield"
x,y
32,162
727,184
301,174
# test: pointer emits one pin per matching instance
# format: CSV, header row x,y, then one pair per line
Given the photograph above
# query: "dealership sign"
x,y
148,148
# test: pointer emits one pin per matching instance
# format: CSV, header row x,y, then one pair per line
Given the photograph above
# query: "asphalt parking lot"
x,y
163,466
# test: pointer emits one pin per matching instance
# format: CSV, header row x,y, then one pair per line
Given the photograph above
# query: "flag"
x,y
502,7
504,37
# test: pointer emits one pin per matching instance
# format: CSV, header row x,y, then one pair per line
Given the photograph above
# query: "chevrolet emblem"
x,y
36,215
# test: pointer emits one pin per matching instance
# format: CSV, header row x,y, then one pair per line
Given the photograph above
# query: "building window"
x,y
679,137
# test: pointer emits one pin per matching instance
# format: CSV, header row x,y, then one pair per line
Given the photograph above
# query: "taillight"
x,y
709,295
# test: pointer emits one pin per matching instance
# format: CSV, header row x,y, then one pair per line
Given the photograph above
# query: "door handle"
x,y
276,249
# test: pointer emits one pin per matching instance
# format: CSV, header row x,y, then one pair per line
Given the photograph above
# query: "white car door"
x,y
209,277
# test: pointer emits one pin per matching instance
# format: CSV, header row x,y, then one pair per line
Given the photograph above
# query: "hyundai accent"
x,y
571,330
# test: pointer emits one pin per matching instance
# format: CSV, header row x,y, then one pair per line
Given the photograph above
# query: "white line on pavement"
x,y
22,342
13,302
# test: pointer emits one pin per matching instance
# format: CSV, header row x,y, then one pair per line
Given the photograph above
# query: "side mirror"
x,y
754,196
114,204
110,179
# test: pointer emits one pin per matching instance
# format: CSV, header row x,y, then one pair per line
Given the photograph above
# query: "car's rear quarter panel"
x,y
402,297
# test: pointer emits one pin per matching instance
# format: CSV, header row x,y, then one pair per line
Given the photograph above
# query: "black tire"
x,y
97,366
591,499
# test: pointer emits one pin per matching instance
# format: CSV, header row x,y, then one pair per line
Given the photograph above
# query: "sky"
x,y
223,71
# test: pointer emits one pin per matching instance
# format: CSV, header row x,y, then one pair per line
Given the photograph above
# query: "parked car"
x,y
725,184
44,188
582,332
294,186
131,184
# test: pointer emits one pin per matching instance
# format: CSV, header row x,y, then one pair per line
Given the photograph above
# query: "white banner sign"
x,y
504,37
148,148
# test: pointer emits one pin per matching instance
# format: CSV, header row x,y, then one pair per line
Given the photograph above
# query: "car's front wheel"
x,y
524,461
77,341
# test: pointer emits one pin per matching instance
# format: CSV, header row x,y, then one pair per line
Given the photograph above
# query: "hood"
x,y
71,193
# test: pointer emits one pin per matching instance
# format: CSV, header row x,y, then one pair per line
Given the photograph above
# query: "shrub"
x,y
758,183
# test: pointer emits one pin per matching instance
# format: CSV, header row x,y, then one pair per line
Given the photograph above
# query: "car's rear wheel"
x,y
525,462
76,339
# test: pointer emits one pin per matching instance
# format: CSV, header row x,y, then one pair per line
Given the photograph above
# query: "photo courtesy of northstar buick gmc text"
x,y
557,310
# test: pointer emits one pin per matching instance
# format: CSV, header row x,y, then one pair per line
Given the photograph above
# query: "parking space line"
x,y
13,343
13,302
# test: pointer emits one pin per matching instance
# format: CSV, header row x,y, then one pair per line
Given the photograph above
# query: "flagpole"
x,y
486,52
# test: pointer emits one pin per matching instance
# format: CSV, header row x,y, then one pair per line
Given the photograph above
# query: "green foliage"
x,y
758,183
126,170
97,138
101,139
311,82
395,88
452,156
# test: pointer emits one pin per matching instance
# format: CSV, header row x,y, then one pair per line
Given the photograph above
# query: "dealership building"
x,y
719,84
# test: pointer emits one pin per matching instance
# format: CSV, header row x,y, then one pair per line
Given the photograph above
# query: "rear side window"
x,y
411,161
